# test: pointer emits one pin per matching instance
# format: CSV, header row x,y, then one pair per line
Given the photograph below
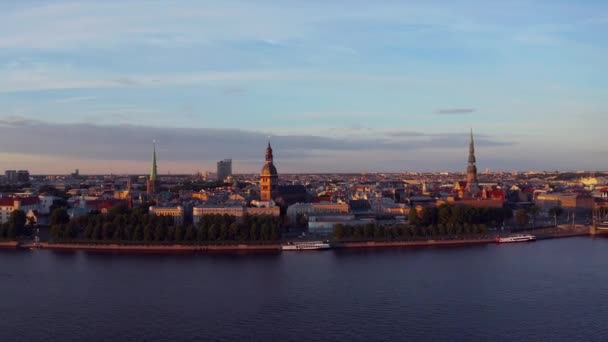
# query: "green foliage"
x,y
59,216
521,217
16,222
438,223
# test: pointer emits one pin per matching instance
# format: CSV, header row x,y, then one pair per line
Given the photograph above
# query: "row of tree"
x,y
405,232
458,215
124,225
14,227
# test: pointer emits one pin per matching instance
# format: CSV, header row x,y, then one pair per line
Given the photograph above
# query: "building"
x,y
568,201
472,188
224,169
269,178
152,180
237,211
315,209
10,204
176,212
11,176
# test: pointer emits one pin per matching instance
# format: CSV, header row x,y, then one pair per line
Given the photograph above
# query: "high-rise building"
x,y
472,188
269,177
152,179
23,176
11,176
224,169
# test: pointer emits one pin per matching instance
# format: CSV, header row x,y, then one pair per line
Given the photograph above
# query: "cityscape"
x,y
301,207
303,170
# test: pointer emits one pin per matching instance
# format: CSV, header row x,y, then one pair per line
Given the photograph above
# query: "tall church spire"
x,y
472,188
268,177
152,180
269,156
154,170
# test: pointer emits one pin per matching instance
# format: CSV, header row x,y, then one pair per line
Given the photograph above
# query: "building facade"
x,y
224,169
269,178
176,212
152,182
472,188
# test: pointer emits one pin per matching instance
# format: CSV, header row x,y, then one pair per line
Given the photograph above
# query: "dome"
x,y
269,170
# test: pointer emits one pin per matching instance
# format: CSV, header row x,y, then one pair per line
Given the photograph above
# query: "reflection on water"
x,y
549,290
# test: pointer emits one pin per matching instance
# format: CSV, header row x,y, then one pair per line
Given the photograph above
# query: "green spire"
x,y
154,170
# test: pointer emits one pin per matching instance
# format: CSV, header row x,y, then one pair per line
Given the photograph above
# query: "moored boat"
x,y
305,245
517,238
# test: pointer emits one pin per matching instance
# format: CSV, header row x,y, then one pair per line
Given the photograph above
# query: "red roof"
x,y
10,201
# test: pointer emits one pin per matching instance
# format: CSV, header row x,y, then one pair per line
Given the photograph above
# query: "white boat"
x,y
305,245
517,238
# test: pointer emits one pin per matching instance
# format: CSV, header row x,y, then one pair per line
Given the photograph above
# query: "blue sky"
x,y
345,86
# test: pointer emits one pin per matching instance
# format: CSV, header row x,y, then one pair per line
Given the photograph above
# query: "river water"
x,y
554,290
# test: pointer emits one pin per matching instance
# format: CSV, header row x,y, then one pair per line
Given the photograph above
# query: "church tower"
x,y
472,189
268,177
152,180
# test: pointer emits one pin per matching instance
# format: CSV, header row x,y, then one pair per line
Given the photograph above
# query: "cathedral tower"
x,y
152,180
268,177
472,189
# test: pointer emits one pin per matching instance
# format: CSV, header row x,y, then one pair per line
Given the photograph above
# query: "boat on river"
x,y
517,238
305,245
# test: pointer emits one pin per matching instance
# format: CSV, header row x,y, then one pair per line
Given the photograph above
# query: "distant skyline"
x,y
342,86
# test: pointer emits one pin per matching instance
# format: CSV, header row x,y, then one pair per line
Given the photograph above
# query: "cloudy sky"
x,y
341,86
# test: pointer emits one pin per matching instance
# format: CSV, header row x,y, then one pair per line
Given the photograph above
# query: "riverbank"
x,y
154,248
9,244
425,243
276,247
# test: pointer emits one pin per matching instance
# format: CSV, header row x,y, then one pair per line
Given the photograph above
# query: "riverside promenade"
x,y
541,234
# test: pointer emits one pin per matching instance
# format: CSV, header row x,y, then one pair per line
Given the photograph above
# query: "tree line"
x,y
121,224
14,227
373,231
453,215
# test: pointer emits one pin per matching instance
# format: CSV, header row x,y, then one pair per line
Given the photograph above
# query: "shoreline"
x,y
113,247
9,244
267,248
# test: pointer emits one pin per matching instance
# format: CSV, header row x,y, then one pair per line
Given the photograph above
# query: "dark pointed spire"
x,y
154,169
269,156
472,182
472,149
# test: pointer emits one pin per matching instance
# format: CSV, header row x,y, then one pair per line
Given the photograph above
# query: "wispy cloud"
x,y
75,99
131,142
455,111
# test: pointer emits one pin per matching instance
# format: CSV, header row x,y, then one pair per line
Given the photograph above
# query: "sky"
x,y
337,86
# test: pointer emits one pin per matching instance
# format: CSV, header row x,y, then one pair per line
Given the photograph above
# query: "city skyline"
x,y
341,87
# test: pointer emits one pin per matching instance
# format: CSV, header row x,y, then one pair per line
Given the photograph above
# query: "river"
x,y
554,290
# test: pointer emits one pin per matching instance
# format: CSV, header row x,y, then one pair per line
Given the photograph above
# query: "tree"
x,y
445,214
378,232
97,232
179,233
88,231
555,212
148,232
254,232
275,232
108,231
534,210
339,232
213,232
426,217
413,217
118,209
224,232
189,235
59,216
233,231
16,223
521,217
